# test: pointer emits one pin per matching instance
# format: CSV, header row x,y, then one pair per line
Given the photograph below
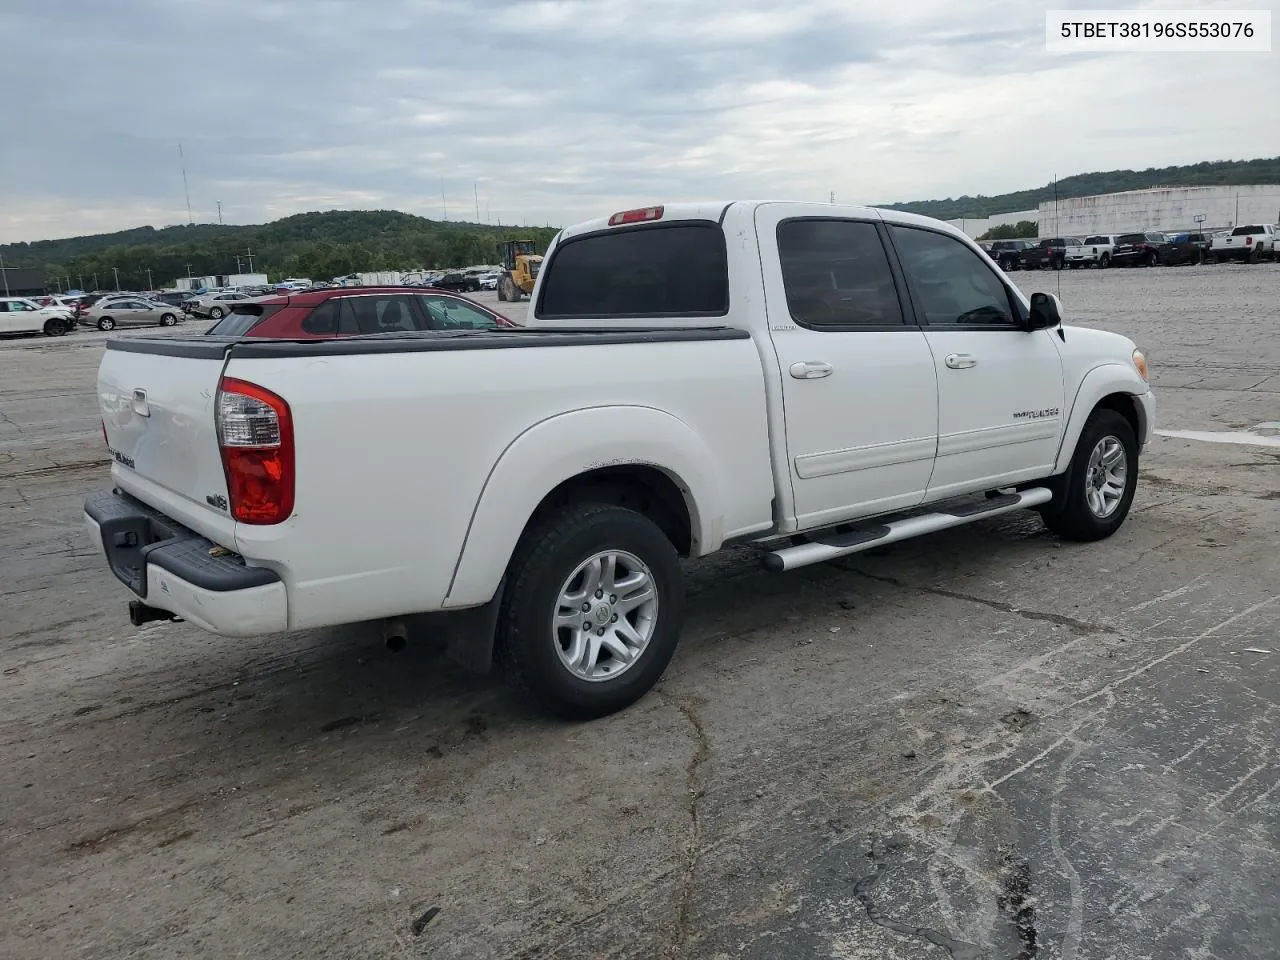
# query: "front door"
x,y
1000,387
858,384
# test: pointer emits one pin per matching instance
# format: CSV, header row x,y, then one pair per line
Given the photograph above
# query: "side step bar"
x,y
877,535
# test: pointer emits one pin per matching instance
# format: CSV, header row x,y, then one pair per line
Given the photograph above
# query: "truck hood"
x,y
1085,348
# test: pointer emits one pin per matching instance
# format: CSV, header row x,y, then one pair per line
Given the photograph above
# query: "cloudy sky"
x,y
560,110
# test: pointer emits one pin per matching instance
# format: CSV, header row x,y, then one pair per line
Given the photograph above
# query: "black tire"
x,y
106,323
168,319
215,313
55,327
1153,260
502,290
1103,262
1068,514
548,554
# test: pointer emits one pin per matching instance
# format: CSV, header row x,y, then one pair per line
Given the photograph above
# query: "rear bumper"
x,y
175,569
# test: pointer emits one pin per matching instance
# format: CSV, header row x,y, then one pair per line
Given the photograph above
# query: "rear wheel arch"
x,y
653,459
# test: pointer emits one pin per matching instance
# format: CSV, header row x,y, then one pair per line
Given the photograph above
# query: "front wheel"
x,y
216,313
592,610
106,323
1092,499
168,320
56,327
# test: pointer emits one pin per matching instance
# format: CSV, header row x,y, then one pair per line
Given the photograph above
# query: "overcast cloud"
x,y
561,110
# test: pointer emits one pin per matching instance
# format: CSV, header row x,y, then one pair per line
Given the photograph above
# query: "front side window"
x,y
836,274
949,282
450,313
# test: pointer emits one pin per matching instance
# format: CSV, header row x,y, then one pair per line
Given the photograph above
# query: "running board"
x,y
879,534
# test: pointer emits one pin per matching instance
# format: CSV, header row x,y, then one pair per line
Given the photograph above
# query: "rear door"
x,y
858,382
157,403
1000,387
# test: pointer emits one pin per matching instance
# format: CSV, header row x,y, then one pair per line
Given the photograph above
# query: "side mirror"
x,y
1046,312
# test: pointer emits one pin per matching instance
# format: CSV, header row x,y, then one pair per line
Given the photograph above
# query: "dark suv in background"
x,y
1138,249
1008,253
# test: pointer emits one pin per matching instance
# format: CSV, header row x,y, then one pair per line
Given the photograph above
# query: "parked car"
x,y
535,488
1180,248
1008,253
109,314
1051,252
462,282
1138,249
1250,242
360,311
1094,251
216,305
489,281
24,315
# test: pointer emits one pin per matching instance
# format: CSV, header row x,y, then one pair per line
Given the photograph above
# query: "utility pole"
x,y
249,256
149,285
4,274
116,271
476,188
80,277
444,206
185,189
188,270
95,281
1237,219
219,213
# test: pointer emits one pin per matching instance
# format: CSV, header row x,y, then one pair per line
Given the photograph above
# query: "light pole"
x,y
4,274
116,272
149,284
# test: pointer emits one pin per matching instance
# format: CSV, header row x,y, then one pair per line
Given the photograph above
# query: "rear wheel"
x,y
1103,262
592,610
1153,260
55,327
168,320
1092,499
216,313
106,323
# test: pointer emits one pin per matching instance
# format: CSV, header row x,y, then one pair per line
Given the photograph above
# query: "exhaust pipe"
x,y
140,613
395,634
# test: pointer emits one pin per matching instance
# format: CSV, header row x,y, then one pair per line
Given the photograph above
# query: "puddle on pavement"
x,y
1263,435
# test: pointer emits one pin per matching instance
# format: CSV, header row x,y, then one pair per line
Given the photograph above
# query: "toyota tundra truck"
x,y
805,380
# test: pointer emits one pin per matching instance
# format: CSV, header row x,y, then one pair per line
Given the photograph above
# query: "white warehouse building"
x,y
1160,208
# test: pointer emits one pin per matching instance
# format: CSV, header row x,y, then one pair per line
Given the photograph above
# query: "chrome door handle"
x,y
961,361
810,369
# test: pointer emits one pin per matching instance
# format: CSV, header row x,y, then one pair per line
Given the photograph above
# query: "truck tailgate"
x,y
157,401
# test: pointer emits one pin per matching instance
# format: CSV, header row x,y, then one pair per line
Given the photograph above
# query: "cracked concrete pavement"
x,y
986,744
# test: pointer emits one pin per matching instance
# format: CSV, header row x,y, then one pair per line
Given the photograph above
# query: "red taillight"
x,y
1248,241
255,434
636,216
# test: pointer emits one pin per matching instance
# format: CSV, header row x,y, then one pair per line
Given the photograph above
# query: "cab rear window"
x,y
669,270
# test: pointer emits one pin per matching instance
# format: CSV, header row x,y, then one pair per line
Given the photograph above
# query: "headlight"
x,y
1140,364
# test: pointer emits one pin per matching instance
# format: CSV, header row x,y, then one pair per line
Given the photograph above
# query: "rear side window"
x,y
352,316
677,270
450,313
1133,238
836,274
1251,230
234,324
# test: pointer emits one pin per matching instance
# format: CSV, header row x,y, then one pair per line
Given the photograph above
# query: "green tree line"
x,y
316,245
1206,174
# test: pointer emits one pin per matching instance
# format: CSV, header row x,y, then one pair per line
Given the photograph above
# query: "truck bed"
x,y
399,438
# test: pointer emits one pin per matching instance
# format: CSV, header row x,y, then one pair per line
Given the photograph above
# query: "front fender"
x,y
568,445
1099,382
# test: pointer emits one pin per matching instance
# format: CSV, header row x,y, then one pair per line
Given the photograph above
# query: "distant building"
x,y
23,282
977,226
1161,208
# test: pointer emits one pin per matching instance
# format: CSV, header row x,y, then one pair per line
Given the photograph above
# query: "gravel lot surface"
x,y
986,744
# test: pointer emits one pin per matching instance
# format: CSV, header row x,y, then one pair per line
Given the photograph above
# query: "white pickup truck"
x,y
1095,251
808,379
1251,242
